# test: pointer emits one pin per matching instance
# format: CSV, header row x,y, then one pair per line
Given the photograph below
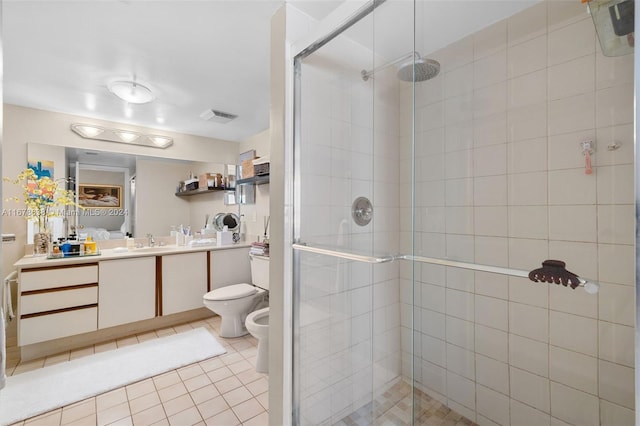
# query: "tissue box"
x,y
206,180
247,169
224,238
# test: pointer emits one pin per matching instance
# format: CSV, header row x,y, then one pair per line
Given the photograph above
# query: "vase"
x,y
41,240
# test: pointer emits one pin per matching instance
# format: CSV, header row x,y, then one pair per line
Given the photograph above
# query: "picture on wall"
x,y
42,168
97,195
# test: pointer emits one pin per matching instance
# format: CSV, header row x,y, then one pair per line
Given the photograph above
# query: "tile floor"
x,y
394,408
224,390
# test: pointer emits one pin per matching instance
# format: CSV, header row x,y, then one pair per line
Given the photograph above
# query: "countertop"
x,y
31,261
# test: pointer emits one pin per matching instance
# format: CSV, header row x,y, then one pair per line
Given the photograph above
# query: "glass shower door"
x,y
348,328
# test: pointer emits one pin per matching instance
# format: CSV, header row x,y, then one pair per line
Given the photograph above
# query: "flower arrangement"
x,y
42,196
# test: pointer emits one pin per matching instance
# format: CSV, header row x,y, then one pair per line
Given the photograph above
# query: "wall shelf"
x,y
256,180
201,191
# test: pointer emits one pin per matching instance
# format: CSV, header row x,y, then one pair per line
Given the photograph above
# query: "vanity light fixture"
x,y
89,131
131,91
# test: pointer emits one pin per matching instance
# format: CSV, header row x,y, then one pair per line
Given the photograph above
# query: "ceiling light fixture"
x,y
132,92
89,131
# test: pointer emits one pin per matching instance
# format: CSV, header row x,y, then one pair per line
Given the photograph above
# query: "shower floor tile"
x,y
394,407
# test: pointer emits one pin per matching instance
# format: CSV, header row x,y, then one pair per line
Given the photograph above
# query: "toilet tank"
x,y
260,271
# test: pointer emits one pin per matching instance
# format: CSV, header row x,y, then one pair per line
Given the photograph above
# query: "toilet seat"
x,y
231,292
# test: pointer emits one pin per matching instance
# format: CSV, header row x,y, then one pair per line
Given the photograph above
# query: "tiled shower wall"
x,y
349,311
500,180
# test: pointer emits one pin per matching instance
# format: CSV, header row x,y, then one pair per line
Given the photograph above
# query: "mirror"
x,y
125,194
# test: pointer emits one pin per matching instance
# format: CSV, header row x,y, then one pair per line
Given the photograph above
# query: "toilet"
x,y
234,302
258,325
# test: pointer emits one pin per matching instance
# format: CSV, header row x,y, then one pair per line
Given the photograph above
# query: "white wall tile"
x,y
489,101
524,415
456,54
491,221
612,105
460,247
572,114
434,377
528,222
434,350
460,279
484,421
459,136
461,361
459,192
460,332
430,194
461,409
562,42
490,69
433,274
573,369
489,40
433,219
529,355
528,189
459,109
430,117
490,130
492,343
528,89
572,77
432,244
492,374
573,406
491,160
527,122
492,312
530,389
615,263
616,224
571,187
490,191
461,390
430,142
527,254
523,290
616,303
573,332
433,324
460,304
613,71
529,321
623,135
616,343
528,24
492,285
615,184
458,81
459,220
492,251
578,301
527,57
566,225
581,258
615,415
429,91
459,164
565,151
492,404
527,156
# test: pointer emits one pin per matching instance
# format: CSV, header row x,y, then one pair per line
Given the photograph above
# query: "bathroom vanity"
x,y
69,303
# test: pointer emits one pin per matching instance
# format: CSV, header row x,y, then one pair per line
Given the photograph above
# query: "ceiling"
x,y
194,55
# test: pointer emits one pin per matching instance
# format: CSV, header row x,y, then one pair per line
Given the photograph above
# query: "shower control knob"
x,y
362,211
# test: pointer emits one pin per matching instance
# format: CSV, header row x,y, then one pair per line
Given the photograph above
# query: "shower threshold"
x,y
394,407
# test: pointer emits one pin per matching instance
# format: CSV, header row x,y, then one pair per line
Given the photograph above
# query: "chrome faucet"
x,y
152,242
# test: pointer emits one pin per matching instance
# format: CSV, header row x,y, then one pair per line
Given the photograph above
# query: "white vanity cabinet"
x,y
184,281
127,291
228,267
57,302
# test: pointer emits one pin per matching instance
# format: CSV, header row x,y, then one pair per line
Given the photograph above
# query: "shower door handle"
x,y
342,254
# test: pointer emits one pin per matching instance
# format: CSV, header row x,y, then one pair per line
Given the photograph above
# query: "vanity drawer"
x,y
54,326
58,299
38,279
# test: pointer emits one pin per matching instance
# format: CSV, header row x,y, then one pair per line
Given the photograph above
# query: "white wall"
x,y
500,180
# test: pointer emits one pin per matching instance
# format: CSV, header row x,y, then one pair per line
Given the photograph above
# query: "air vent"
x,y
217,116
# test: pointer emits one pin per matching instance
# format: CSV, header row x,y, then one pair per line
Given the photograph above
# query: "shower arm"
x,y
367,74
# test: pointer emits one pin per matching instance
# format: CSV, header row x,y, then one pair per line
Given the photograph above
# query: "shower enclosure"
x,y
443,151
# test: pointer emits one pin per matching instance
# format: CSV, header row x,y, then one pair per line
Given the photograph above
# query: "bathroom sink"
x,y
156,248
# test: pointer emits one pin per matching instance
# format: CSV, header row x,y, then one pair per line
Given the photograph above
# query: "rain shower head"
x,y
416,68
